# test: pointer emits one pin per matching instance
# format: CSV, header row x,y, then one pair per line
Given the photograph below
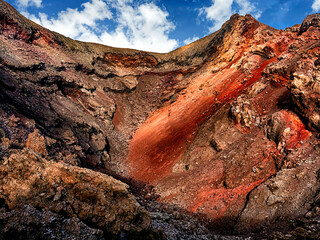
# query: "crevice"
x,y
33,68
3,204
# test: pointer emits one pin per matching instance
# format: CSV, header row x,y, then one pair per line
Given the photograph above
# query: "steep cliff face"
x,y
226,127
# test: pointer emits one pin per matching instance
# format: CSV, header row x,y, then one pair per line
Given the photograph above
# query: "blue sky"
x,y
155,25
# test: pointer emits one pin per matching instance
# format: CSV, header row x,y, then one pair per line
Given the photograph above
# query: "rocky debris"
x,y
97,103
301,230
97,199
23,133
178,226
243,113
175,223
130,82
292,229
30,223
121,84
14,131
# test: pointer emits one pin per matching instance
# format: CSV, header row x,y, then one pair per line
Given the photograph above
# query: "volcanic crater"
x,y
218,139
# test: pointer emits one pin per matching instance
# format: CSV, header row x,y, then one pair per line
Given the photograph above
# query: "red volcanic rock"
x,y
220,128
287,130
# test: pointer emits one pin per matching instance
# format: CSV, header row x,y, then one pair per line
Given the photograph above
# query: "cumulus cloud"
x,y
190,40
144,27
221,10
218,12
248,7
76,23
27,3
316,5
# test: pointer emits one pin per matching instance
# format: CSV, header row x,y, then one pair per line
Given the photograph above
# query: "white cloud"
x,y
316,5
74,23
248,7
27,3
218,12
143,27
221,10
190,40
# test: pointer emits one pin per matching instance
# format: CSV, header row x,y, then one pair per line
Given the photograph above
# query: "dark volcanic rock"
x,y
29,223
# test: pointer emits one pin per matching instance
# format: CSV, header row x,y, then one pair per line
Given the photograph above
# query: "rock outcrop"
x,y
94,198
225,128
278,199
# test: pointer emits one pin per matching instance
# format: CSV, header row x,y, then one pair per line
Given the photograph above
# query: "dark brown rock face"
x,y
278,198
310,21
226,128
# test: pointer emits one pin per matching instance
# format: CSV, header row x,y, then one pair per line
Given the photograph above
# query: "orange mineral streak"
x,y
117,119
214,202
162,140
221,199
296,130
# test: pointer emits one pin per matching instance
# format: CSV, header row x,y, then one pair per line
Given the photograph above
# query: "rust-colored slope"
x,y
162,140
171,152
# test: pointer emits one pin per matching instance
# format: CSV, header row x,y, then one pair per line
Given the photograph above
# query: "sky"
x,y
155,25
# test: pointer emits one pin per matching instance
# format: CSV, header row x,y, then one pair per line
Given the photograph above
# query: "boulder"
x,y
278,201
95,198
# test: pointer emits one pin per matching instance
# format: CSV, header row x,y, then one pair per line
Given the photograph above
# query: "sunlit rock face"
x,y
226,128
